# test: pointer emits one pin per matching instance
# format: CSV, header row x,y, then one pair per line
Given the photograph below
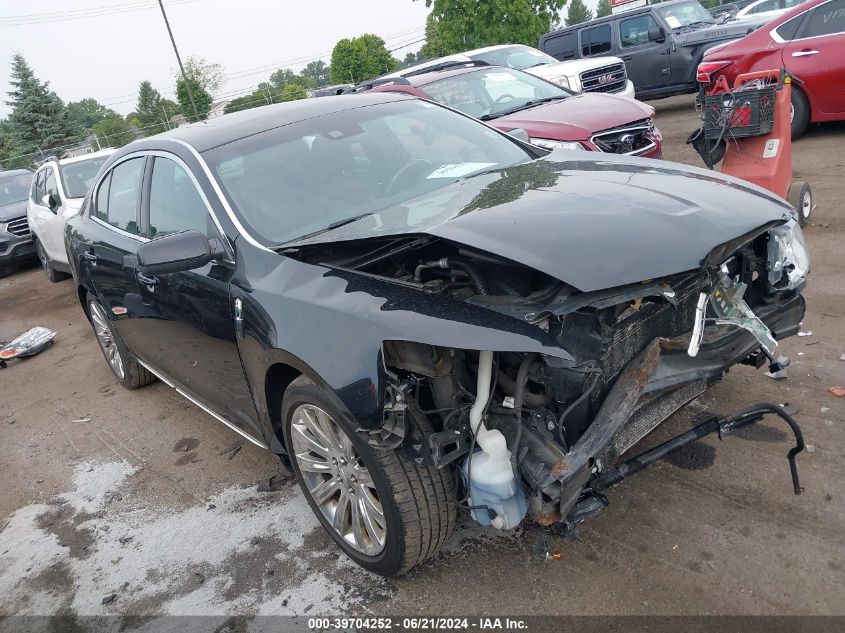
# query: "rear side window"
x,y
175,203
825,19
561,47
787,30
118,195
634,32
595,41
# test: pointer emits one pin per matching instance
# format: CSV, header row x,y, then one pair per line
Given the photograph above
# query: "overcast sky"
x,y
107,56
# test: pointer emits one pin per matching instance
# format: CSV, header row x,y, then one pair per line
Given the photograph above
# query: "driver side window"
x,y
175,203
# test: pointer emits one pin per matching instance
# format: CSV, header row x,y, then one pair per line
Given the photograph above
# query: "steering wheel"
x,y
416,165
510,97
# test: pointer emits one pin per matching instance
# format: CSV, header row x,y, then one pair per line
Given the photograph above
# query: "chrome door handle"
x,y
239,318
147,281
805,53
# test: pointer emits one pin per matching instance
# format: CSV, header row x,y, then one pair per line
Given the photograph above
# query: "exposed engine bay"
x,y
636,354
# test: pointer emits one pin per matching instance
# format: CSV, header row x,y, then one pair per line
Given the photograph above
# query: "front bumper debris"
x,y
730,309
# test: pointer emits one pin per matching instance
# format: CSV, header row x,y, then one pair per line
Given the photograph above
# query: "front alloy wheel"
x,y
100,323
337,480
387,513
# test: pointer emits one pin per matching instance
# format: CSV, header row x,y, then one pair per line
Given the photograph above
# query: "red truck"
x,y
809,42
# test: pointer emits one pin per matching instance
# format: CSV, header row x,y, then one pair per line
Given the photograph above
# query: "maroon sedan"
x,y
809,41
510,99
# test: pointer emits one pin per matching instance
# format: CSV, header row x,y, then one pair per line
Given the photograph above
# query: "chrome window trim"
x,y
220,195
139,238
95,188
209,411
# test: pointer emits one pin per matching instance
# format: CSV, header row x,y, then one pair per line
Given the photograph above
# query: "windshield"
x,y
305,177
685,14
14,188
519,57
78,176
492,92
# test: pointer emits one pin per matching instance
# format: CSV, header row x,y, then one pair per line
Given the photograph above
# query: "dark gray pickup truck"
x,y
661,44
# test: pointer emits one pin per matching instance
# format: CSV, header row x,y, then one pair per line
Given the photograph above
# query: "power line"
x,y
68,16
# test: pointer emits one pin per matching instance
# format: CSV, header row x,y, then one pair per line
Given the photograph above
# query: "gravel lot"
x,y
131,498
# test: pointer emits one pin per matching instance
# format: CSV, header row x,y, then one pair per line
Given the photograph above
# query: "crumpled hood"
x,y
576,118
14,210
591,221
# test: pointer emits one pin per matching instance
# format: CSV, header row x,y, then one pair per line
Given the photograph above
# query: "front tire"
x,y
52,274
122,362
386,513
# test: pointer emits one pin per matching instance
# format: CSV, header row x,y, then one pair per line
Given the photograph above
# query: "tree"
x,y
315,74
434,46
577,13
459,25
360,58
603,8
412,58
149,110
210,77
202,99
294,91
281,77
86,113
39,121
113,132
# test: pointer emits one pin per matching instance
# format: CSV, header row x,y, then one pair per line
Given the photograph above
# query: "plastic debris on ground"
x,y
809,333
837,391
30,343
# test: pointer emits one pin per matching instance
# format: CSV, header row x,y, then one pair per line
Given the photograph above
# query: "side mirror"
x,y
656,34
50,202
519,134
177,252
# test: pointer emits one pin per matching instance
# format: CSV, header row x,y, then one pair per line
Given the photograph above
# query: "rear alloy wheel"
x,y
385,512
800,114
122,362
52,274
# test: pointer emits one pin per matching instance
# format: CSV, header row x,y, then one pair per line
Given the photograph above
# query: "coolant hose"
x,y
532,400
518,398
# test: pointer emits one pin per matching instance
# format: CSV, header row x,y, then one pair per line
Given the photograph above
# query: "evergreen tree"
x,y
577,13
39,121
149,110
603,8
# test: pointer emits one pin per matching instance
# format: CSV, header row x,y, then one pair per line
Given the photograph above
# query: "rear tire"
x,y
418,504
52,274
801,198
800,112
121,361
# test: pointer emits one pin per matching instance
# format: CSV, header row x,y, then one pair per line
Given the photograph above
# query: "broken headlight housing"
x,y
787,261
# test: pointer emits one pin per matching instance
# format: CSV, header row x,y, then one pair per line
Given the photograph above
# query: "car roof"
x,y
424,79
15,172
82,157
232,127
613,16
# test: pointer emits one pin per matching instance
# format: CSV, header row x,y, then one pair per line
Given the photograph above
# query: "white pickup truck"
x,y
593,74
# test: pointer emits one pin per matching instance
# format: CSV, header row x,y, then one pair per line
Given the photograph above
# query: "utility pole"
x,y
166,118
179,59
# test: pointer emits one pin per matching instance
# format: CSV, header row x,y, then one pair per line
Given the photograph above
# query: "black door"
x,y
112,242
189,333
645,49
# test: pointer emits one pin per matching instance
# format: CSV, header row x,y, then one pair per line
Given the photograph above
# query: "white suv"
x,y
594,74
57,191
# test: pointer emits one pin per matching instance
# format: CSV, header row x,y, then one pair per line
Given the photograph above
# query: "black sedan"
x,y
374,287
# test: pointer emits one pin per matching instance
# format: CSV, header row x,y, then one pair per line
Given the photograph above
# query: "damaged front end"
x,y
634,355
